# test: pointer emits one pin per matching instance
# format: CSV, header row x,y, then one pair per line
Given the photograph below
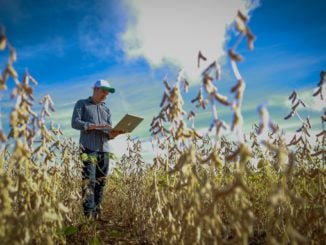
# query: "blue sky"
x,y
68,45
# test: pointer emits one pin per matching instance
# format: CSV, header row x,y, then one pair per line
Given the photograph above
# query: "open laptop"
x,y
128,123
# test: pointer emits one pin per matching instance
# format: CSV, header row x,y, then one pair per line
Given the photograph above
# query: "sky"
x,y
68,45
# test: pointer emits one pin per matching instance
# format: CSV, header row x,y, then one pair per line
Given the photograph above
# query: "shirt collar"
x,y
90,100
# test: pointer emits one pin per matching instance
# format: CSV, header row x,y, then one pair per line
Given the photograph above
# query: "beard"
x,y
103,98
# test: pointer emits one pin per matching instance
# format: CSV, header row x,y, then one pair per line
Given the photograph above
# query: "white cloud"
x,y
118,146
175,31
314,102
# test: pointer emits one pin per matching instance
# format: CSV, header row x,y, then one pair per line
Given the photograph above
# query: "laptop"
x,y
128,123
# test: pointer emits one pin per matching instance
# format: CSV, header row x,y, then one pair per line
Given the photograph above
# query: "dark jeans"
x,y
95,169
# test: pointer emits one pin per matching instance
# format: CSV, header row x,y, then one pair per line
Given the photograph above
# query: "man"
x,y
93,118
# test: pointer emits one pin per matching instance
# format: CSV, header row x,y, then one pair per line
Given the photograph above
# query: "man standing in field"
x,y
93,118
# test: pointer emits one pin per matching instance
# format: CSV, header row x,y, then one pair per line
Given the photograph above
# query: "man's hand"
x,y
91,127
115,133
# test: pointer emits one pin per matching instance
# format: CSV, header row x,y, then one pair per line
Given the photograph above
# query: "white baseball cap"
x,y
103,84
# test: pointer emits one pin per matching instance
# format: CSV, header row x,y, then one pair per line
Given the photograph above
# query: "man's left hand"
x,y
115,133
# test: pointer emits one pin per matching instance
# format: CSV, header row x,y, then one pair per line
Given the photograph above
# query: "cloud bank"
x,y
175,31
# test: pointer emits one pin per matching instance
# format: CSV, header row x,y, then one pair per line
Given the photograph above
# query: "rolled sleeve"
x,y
76,120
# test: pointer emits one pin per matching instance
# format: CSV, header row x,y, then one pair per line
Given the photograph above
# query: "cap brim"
x,y
111,90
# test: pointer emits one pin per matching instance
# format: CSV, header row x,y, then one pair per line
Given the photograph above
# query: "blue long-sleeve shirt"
x,y
86,112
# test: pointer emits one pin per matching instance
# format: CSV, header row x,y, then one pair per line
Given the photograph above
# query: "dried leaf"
x,y
289,116
3,42
11,71
218,71
13,55
251,38
295,106
221,98
241,26
234,56
242,16
3,137
199,58
167,85
293,96
185,85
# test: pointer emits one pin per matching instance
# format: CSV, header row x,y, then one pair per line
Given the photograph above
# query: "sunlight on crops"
x,y
198,189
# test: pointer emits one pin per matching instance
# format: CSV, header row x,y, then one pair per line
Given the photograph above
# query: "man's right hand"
x,y
91,127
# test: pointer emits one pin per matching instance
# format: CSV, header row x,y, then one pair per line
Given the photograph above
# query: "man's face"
x,y
100,94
